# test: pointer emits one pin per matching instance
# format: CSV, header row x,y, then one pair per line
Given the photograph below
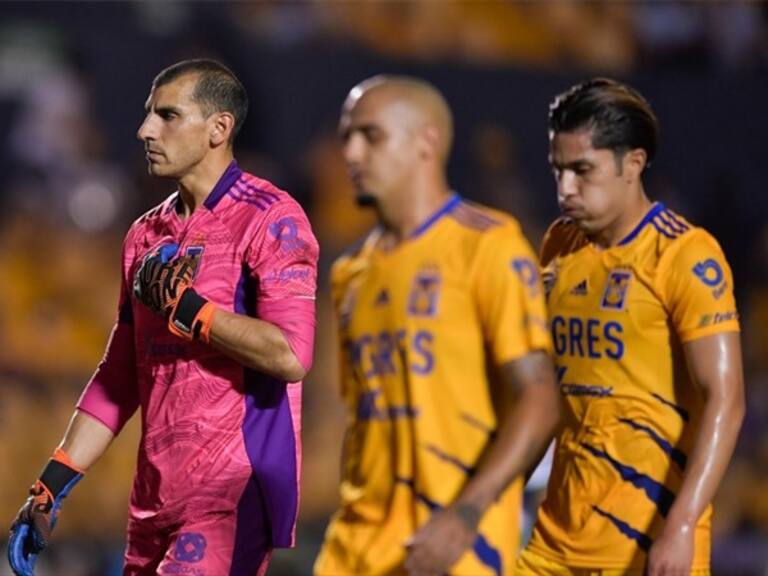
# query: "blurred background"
x,y
73,81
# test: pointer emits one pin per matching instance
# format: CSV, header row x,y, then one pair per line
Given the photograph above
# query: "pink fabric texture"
x,y
215,435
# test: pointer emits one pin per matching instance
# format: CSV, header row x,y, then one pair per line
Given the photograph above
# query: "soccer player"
x,y
446,367
213,337
646,338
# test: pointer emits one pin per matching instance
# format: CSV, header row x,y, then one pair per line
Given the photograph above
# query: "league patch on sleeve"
x,y
528,272
711,274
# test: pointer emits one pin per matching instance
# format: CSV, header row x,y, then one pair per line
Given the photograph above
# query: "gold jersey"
x,y
421,327
618,319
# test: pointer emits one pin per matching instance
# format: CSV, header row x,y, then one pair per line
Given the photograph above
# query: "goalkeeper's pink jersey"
x,y
216,436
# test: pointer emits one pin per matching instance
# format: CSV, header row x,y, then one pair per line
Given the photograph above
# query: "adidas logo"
x,y
382,298
580,289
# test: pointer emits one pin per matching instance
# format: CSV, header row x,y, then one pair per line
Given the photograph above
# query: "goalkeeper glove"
x,y
166,288
31,531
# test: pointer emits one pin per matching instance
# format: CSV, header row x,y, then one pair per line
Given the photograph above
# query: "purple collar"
x,y
231,175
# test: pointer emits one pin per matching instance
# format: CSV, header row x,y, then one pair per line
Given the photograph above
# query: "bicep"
x,y
532,374
714,363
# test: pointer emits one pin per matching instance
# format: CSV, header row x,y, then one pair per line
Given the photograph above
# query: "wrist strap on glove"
x,y
192,316
59,473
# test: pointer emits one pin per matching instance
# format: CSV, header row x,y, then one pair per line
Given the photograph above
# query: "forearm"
x,y
85,440
256,344
719,430
526,425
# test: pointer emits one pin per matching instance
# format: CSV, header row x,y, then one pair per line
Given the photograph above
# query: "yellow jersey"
x,y
618,318
421,327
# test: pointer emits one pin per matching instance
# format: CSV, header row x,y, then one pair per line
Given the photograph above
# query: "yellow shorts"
x,y
531,564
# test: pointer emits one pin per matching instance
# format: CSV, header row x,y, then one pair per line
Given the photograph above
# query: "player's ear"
x,y
634,163
430,141
222,127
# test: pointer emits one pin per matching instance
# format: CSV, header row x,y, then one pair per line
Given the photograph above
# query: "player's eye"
x,y
582,169
373,135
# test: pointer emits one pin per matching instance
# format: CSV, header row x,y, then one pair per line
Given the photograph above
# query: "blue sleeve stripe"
x,y
488,555
423,498
642,539
661,230
445,457
679,409
655,491
676,227
677,456
475,423
676,219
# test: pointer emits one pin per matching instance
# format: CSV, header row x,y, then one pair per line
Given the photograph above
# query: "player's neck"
x,y
627,220
401,219
197,184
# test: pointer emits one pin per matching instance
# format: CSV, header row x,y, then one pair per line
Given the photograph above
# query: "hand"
x,y
672,553
165,287
438,545
31,531
159,282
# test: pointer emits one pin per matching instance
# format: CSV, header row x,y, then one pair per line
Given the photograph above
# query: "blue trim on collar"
x,y
655,209
448,207
231,175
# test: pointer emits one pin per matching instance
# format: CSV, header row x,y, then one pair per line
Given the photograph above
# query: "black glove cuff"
x,y
186,311
56,475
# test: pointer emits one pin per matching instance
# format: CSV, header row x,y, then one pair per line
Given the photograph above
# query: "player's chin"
x,y
159,170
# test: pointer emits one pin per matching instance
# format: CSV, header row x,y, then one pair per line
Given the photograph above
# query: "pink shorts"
x,y
206,547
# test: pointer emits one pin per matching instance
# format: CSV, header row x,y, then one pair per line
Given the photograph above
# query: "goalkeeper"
x,y
213,336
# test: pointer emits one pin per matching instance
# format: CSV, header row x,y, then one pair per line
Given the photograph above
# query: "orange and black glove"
x,y
165,287
31,531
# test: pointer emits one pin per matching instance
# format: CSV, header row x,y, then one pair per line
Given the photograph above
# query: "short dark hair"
x,y
217,88
619,117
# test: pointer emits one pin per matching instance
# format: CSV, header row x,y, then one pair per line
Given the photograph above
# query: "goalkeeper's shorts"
x,y
208,546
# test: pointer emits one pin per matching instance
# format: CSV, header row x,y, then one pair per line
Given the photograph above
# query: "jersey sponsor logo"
x,y
368,410
528,272
615,293
169,349
587,338
711,274
717,318
425,292
392,353
286,232
286,275
190,547
586,390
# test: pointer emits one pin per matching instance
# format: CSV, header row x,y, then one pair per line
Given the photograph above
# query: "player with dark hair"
x,y
214,334
446,367
646,338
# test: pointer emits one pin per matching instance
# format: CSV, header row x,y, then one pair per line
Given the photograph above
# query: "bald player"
x,y
445,354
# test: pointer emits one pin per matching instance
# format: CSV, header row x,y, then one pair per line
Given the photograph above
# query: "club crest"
x,y
615,293
425,292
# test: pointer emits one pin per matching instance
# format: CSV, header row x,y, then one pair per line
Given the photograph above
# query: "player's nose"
x,y
146,131
567,184
353,150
